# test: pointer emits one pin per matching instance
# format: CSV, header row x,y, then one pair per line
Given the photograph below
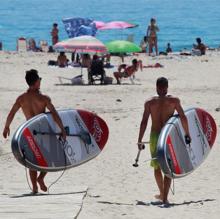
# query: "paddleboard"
x,y
37,144
176,158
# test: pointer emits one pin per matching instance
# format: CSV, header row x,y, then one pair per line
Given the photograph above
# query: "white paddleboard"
x,y
176,158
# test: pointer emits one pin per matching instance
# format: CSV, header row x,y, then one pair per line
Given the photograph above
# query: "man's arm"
x,y
183,118
144,122
56,116
10,117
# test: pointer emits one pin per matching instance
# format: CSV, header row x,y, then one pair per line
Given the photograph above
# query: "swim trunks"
x,y
153,149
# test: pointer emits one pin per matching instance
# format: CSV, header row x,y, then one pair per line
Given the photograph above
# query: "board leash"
x,y
63,142
55,181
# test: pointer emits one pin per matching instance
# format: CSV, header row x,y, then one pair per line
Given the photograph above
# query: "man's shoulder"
x,y
157,98
22,96
45,97
151,99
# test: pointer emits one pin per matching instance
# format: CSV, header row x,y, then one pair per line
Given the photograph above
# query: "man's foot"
x,y
166,204
35,190
159,197
41,183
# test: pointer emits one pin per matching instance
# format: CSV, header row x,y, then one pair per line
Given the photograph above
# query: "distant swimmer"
x,y
32,103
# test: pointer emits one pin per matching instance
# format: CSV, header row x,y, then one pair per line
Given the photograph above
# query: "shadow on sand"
x,y
46,194
89,85
161,205
113,203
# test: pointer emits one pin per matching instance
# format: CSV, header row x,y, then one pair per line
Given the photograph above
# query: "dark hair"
x,y
134,61
162,82
31,77
152,20
95,57
198,40
55,24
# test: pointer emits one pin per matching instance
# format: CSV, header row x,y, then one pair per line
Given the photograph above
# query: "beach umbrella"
x,y
81,44
113,25
122,46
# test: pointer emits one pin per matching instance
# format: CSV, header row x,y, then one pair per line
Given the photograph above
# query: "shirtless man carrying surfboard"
x,y
32,103
160,108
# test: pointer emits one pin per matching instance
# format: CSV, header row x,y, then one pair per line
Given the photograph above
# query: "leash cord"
x,y
61,175
55,181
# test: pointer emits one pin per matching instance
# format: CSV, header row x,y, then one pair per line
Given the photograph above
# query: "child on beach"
x,y
152,36
32,103
160,108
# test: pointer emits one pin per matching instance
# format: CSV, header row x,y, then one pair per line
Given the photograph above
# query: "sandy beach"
x,y
109,187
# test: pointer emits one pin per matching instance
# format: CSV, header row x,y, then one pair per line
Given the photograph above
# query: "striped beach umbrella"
x,y
81,44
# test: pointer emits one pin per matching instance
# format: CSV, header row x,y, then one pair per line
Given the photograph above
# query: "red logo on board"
x,y
35,148
173,156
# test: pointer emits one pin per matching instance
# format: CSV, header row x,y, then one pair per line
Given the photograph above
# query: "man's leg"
x,y
166,186
40,180
117,76
33,177
159,179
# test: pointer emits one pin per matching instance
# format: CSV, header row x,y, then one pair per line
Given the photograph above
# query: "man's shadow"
x,y
46,194
161,205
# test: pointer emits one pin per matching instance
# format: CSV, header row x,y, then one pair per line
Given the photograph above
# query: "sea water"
x,y
180,21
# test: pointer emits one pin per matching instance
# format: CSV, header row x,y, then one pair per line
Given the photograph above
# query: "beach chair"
x,y
77,80
21,44
96,72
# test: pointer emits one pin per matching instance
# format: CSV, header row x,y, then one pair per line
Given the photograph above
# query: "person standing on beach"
x,y
32,103
160,108
152,36
54,34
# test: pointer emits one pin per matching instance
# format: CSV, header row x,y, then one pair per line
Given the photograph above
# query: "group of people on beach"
x,y
160,108
150,41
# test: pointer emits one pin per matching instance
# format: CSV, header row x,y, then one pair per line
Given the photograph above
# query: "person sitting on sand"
x,y
160,108
125,71
169,49
200,46
86,60
144,44
32,103
62,60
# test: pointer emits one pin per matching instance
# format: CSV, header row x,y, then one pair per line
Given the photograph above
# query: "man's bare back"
x,y
161,109
32,103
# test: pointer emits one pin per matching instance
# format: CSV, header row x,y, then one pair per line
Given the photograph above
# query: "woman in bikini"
x,y
152,35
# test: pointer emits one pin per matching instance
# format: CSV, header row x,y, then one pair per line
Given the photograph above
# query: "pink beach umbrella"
x,y
81,44
113,25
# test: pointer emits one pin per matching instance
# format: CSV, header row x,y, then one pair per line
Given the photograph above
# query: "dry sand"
x,y
109,187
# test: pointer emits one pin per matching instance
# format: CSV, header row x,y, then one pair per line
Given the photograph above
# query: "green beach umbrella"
x,y
122,46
